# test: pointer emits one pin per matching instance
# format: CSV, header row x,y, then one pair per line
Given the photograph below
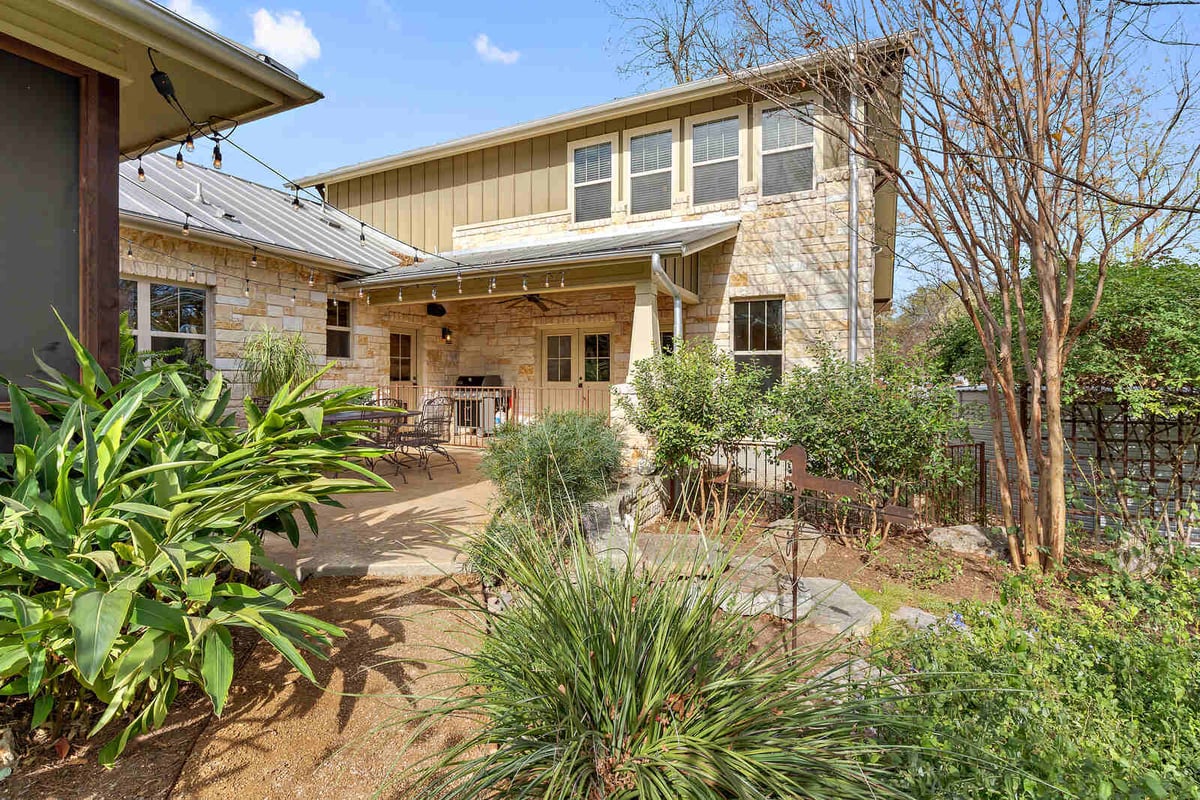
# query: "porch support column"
x,y
644,338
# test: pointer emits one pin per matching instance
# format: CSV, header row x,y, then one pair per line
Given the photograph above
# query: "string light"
x,y
562,281
312,279
362,233
491,285
141,172
129,252
524,283
546,283
187,227
254,257
217,155
459,279
360,293
179,159
189,143
191,276
246,288
368,299
433,293
400,295
296,200
293,295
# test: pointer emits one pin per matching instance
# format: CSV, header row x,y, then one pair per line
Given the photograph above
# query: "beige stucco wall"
x,y
233,316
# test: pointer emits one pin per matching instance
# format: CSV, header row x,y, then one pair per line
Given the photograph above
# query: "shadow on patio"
x,y
416,530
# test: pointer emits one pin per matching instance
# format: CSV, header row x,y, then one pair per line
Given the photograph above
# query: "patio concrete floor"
x,y
416,530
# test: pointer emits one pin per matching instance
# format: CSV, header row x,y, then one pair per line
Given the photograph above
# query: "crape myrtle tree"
x,y
1024,139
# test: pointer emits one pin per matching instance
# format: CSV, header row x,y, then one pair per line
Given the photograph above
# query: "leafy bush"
x,y
693,403
131,522
882,422
612,683
273,359
1094,694
551,466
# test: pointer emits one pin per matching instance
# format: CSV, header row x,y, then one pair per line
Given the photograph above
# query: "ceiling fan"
x,y
543,303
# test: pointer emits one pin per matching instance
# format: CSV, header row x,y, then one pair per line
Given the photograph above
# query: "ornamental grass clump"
x,y
547,468
604,681
273,359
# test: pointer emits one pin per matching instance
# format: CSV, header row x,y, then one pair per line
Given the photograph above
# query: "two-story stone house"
x,y
571,246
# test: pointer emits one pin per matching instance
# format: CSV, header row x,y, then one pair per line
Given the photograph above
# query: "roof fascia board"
x,y
156,225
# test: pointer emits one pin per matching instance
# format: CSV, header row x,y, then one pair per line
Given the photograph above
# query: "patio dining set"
x,y
410,437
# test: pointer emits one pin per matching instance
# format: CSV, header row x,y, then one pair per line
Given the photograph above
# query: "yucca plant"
x,y
603,682
132,519
273,359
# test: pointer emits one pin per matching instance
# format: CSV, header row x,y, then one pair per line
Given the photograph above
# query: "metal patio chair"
x,y
430,434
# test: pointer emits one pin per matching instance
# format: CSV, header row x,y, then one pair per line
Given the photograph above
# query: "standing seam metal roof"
x,y
226,205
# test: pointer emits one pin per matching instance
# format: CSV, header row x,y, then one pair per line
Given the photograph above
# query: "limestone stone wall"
x,y
280,296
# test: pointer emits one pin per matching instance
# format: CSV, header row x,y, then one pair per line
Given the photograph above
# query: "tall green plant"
x,y
692,403
614,683
132,520
273,359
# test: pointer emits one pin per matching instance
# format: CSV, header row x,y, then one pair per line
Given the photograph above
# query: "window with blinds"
x,y
787,150
650,173
593,182
715,161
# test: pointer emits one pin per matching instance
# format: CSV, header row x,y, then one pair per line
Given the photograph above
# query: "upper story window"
x,y
715,151
650,172
592,181
787,150
337,328
167,318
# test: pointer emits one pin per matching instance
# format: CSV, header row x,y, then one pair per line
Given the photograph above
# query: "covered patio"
x,y
549,323
416,530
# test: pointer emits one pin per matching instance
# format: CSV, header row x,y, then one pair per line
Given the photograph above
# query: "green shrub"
x,y
1094,694
693,403
549,467
882,422
131,522
273,359
612,683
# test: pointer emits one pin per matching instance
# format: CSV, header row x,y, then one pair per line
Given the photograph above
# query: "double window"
x,y
167,318
592,179
650,172
337,328
715,158
787,150
758,336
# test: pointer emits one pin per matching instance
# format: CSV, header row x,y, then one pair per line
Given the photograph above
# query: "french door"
x,y
576,370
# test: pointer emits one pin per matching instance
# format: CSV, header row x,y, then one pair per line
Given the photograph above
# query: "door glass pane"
x,y
558,359
596,361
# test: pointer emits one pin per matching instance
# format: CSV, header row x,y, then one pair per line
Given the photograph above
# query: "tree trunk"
x,y
1052,478
1002,486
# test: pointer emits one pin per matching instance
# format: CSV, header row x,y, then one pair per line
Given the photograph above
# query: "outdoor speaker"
x,y
435,310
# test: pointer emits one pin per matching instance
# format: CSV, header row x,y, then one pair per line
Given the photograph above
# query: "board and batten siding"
x,y
422,203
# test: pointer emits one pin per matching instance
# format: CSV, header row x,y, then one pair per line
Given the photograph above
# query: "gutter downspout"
x,y
852,277
677,299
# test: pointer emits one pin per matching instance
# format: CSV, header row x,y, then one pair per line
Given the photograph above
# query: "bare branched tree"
x,y
660,38
1025,139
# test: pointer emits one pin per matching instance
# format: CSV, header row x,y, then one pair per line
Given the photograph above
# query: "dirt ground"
x,y
281,736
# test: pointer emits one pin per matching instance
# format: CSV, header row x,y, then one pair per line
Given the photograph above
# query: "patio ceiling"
x,y
540,265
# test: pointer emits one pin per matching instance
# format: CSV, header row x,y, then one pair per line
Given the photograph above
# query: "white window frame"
x,y
781,352
689,125
143,333
818,142
349,329
614,141
676,159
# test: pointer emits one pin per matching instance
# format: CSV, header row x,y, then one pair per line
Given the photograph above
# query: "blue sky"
x,y
398,74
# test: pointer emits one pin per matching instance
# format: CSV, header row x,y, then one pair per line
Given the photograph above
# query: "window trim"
x,y
143,335
689,125
818,144
627,137
349,329
614,141
782,351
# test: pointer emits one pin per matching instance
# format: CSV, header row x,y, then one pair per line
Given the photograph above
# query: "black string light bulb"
x,y
433,292
312,279
293,295
191,276
187,224
524,283
546,282
141,172
491,285
189,143
458,278
296,200
179,159
217,162
562,281
362,233
129,251
254,257
400,295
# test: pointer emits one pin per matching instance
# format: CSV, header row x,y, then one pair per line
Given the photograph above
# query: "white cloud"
x,y
285,37
490,52
195,12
